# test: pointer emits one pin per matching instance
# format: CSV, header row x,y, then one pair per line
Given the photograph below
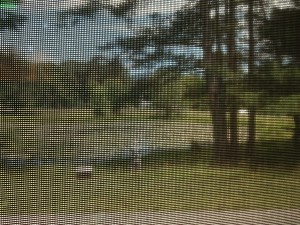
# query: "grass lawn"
x,y
177,187
181,186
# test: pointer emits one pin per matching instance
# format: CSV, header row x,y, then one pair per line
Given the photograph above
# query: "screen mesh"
x,y
149,112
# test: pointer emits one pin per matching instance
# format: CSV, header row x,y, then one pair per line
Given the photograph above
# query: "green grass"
x,y
171,182
180,187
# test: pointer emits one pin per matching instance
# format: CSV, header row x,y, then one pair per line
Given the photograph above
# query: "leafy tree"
x,y
166,92
110,86
110,96
195,92
251,72
100,100
215,82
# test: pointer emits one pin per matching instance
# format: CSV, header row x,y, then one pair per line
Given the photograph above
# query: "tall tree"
x,y
251,63
199,23
232,64
212,63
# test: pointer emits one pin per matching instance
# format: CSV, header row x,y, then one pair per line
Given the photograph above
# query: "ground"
x,y
158,188
257,217
169,186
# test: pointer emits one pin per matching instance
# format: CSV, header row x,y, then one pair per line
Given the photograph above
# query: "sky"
x,y
44,37
47,37
146,7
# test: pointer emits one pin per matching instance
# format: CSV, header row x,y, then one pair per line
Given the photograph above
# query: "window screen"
x,y
149,112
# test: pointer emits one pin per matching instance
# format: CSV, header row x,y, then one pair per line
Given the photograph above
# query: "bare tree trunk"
x,y
216,86
251,133
219,121
233,119
252,111
233,127
221,98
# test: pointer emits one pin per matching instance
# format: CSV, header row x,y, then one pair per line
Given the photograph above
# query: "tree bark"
x,y
232,63
251,134
219,121
252,111
216,86
233,127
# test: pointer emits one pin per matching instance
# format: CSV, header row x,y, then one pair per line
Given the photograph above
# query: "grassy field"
x,y
169,187
177,183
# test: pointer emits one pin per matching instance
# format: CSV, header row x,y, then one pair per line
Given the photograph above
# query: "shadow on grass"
x,y
277,154
197,153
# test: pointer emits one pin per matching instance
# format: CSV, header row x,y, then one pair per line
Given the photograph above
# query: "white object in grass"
x,y
243,111
84,171
145,104
139,149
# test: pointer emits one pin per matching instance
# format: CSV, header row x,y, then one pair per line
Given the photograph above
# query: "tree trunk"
x,y
220,115
252,111
233,127
232,64
216,86
219,122
251,134
297,131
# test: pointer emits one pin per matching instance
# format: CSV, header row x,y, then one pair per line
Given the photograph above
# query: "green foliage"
x,y
273,89
100,100
8,4
17,95
109,96
67,85
278,80
60,92
101,72
287,105
8,142
166,92
195,92
250,99
168,98
109,85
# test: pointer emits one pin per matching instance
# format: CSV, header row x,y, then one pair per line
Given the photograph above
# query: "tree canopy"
x,y
282,33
